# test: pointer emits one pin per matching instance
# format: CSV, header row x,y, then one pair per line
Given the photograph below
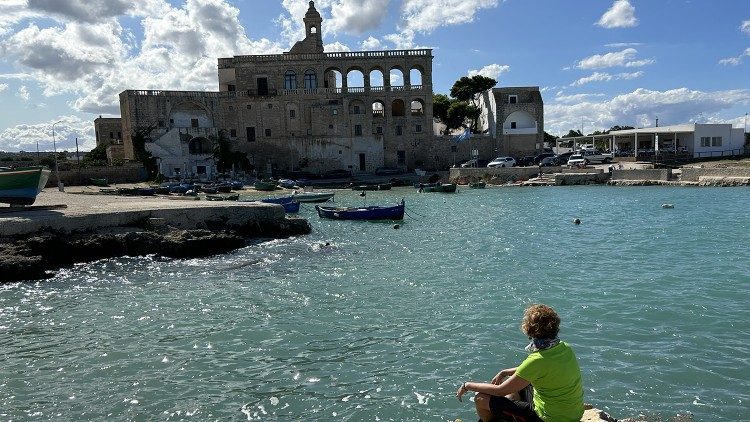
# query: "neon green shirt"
x,y
556,377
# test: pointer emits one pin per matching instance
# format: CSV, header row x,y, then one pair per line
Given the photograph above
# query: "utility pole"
x,y
54,148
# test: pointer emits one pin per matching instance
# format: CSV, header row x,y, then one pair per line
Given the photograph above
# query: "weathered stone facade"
x,y
301,110
514,117
108,130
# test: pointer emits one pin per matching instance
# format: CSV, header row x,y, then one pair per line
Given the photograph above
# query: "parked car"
x,y
474,162
502,162
577,160
387,171
337,174
563,158
525,161
596,156
538,159
552,161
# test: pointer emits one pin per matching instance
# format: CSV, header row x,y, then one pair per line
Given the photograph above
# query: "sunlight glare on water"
x,y
385,324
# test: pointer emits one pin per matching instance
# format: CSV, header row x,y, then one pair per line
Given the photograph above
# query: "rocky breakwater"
x,y
33,244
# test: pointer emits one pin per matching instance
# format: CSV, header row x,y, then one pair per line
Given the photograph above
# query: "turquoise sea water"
x,y
385,324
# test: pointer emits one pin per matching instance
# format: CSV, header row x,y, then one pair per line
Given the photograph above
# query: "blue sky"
x,y
599,63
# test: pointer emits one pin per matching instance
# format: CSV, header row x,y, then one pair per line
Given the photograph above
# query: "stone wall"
x,y
690,174
124,174
507,174
581,179
642,174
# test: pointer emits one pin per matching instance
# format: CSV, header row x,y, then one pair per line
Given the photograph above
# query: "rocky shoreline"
x,y
38,256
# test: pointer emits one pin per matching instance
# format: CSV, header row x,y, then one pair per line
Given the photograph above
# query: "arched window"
x,y
290,80
397,108
313,30
311,80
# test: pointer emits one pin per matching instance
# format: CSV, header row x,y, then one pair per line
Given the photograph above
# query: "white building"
x,y
697,140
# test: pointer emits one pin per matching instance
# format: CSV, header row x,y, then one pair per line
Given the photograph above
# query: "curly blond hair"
x,y
540,321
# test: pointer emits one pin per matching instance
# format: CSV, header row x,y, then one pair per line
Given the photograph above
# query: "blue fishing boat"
x,y
20,186
372,212
290,204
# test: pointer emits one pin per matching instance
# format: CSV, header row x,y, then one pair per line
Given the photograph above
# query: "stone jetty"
x,y
34,243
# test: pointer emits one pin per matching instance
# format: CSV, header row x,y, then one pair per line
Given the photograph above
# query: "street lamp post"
x,y
54,147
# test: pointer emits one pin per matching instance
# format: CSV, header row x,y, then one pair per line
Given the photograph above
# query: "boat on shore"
x,y
290,204
265,185
372,212
313,196
20,186
477,185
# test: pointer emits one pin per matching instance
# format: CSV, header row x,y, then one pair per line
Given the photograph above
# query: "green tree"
x,y
226,157
440,105
551,139
139,138
467,88
573,133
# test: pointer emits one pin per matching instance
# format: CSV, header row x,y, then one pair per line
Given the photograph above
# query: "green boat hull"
x,y
21,186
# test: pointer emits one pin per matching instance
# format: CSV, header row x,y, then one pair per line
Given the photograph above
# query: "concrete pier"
x,y
92,227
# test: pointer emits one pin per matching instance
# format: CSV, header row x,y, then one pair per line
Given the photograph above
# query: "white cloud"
x,y
371,43
619,58
734,61
25,137
745,27
23,93
3,87
336,47
620,15
426,15
623,44
357,16
403,40
639,107
491,71
96,62
575,98
604,76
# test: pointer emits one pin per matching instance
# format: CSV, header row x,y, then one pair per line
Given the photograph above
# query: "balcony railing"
x,y
229,62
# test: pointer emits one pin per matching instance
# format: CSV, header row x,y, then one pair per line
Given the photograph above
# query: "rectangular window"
x,y
111,135
512,125
512,99
379,130
249,106
161,123
200,169
171,121
401,157
250,132
268,132
454,148
262,84
231,88
309,131
418,128
194,122
355,109
716,141
270,106
399,130
292,114
119,136
357,130
705,141
233,133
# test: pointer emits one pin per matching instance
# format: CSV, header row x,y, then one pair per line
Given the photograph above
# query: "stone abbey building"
x,y
305,110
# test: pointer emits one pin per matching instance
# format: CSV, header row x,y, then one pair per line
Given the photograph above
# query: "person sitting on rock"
x,y
551,369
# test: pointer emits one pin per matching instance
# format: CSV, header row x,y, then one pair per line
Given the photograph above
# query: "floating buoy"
x,y
396,226
667,205
576,221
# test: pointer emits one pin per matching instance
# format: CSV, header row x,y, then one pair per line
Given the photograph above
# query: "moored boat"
x,y
477,185
20,186
290,204
365,187
313,196
442,187
265,185
372,212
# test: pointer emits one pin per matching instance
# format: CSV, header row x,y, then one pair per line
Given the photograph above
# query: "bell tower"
x,y
313,42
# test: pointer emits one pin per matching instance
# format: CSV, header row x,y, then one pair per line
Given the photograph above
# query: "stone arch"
x,y
377,80
311,79
313,29
356,107
378,108
333,78
290,79
355,77
417,107
396,77
415,76
200,145
397,108
519,120
186,112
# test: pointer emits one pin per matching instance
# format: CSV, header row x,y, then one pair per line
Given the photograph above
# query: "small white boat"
x,y
312,196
